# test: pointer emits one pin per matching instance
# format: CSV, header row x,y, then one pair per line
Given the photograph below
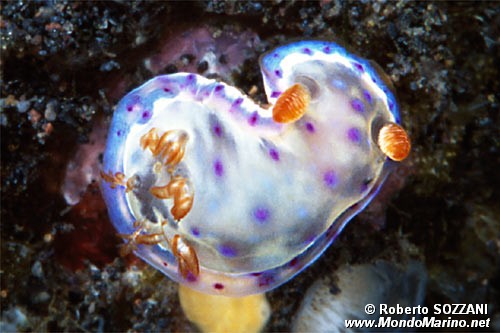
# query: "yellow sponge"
x,y
212,313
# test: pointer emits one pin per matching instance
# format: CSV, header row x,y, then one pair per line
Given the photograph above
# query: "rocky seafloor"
x,y
64,65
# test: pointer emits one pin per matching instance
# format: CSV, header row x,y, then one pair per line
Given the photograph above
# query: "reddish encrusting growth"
x,y
92,237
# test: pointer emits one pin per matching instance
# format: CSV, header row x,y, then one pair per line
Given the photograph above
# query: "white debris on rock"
x,y
331,300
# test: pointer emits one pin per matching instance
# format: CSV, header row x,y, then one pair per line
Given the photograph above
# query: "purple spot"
x,y
236,104
218,130
357,105
354,135
195,231
119,133
364,187
219,88
261,214
218,168
367,96
134,100
331,232
166,89
330,178
359,67
190,77
256,274
218,286
374,79
339,84
278,73
294,262
265,280
327,49
310,239
165,264
310,127
253,119
228,251
275,94
146,115
190,277
307,51
275,55
391,105
275,155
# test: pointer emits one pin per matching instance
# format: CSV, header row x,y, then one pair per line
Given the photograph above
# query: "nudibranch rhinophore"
x,y
228,197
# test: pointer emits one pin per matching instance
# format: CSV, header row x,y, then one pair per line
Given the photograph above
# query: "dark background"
x,y
65,64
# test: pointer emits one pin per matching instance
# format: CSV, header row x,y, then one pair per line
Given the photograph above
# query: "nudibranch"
x,y
232,198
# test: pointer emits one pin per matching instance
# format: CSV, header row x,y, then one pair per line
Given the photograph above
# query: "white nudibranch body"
x,y
219,195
